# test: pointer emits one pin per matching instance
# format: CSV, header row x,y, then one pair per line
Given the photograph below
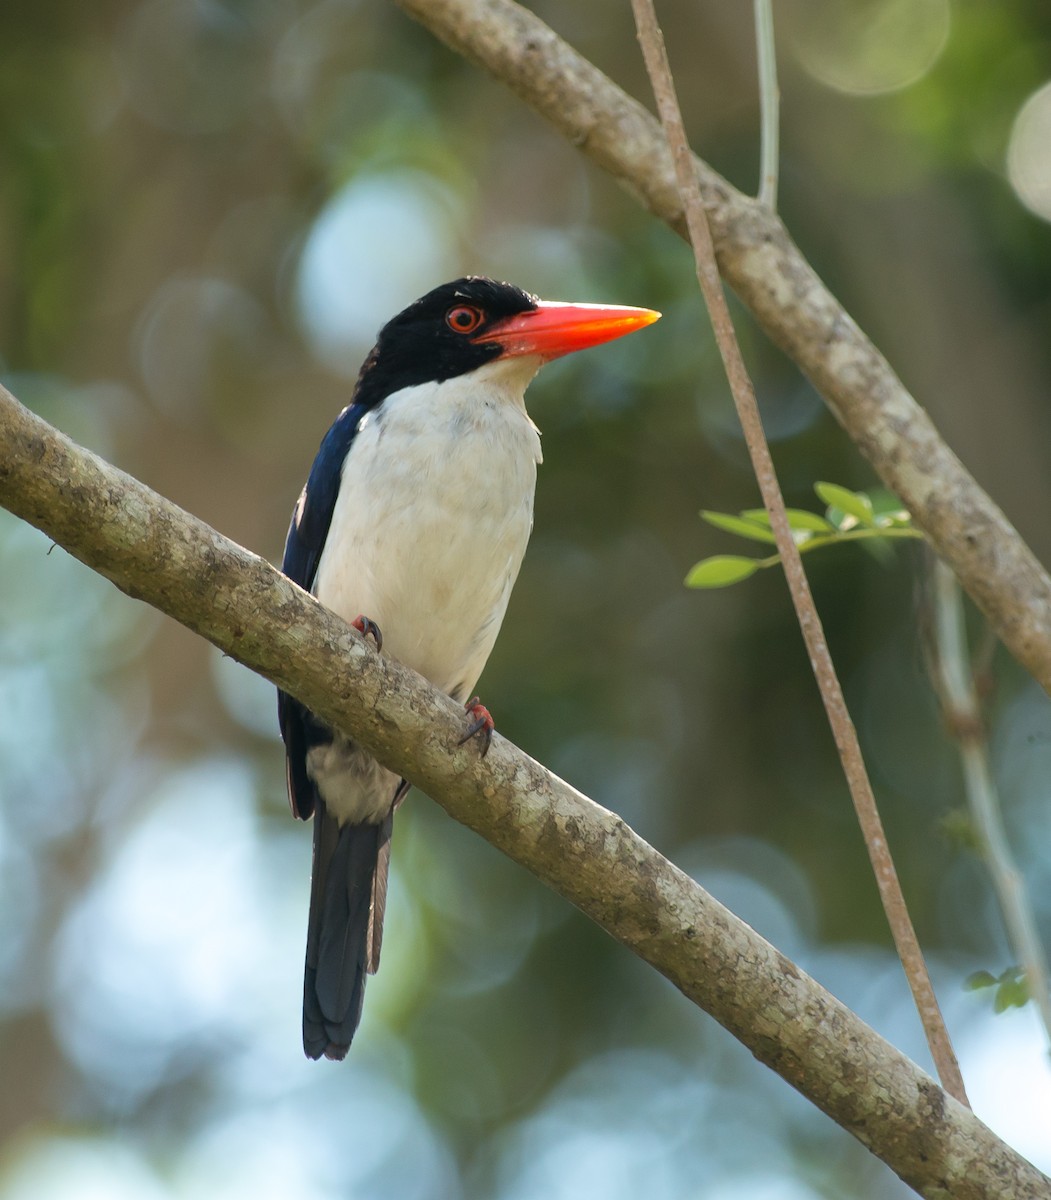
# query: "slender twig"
x,y
769,103
843,730
819,541
959,698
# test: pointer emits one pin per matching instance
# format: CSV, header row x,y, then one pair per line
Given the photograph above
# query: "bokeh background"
x,y
207,208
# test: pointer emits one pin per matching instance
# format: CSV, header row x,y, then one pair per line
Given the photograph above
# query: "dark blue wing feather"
x,y
313,512
303,547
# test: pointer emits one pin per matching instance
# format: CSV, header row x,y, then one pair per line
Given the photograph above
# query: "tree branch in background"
x,y
769,103
154,551
760,262
846,738
953,681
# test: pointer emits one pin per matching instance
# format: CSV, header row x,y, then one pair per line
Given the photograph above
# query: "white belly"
x,y
429,530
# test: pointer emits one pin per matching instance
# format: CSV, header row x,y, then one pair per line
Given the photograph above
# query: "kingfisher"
x,y
412,527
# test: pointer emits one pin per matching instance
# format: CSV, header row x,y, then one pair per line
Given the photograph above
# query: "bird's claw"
x,y
367,627
483,724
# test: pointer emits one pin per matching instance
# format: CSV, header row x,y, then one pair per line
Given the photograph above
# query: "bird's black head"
x,y
437,337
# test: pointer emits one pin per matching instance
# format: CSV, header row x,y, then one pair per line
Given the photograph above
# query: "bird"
x,y
412,527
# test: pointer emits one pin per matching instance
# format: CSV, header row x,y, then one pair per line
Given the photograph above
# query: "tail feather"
x,y
379,902
379,884
348,886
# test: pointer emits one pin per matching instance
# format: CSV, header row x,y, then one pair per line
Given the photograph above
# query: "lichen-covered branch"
x,y
760,262
156,552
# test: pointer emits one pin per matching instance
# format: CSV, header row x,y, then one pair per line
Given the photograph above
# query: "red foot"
x,y
367,627
482,724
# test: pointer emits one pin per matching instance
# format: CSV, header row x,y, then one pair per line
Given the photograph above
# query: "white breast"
x,y
432,519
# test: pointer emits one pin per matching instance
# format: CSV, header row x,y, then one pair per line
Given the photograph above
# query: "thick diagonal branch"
x,y
158,553
760,262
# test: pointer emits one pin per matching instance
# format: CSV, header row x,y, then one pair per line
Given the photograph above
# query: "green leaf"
x,y
1017,994
742,526
883,501
1000,1003
800,520
721,571
978,980
1014,989
854,504
759,515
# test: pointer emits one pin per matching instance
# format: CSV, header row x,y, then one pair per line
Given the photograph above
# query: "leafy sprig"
x,y
1012,987
849,517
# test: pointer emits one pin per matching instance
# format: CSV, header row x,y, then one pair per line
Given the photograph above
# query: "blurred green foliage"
x,y
207,207
1012,989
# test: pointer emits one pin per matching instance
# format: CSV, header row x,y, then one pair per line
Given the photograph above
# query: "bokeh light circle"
x,y
868,47
1029,153
380,242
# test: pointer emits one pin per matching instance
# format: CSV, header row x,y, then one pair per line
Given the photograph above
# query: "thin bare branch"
x,y
963,714
769,103
760,262
835,703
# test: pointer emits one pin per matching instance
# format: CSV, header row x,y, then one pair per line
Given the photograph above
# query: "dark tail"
x,y
347,892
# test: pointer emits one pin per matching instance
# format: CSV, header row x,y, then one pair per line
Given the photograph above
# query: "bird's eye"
x,y
464,318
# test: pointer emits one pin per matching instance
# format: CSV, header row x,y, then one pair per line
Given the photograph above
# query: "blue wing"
x,y
313,512
303,547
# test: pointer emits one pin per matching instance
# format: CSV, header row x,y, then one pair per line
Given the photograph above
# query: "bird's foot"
x,y
367,627
483,724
